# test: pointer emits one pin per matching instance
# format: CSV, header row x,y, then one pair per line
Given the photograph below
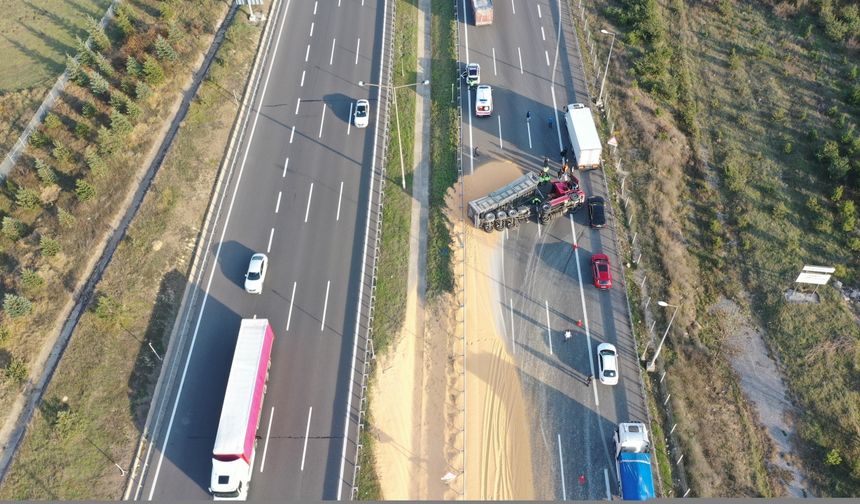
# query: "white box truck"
x,y
583,136
233,454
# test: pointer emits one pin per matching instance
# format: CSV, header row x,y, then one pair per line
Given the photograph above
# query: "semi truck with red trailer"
x,y
483,10
235,443
523,198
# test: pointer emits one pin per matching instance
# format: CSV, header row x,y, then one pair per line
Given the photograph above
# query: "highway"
x,y
530,57
300,193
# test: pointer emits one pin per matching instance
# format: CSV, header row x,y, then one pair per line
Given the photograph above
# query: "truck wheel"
x,y
499,225
487,226
545,218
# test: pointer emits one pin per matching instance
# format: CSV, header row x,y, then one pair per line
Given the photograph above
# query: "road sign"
x,y
816,275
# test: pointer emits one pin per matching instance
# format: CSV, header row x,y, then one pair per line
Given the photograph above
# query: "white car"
x,y
362,113
607,363
256,274
484,101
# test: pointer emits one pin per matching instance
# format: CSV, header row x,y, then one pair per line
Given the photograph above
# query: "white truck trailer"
x,y
233,454
583,136
483,10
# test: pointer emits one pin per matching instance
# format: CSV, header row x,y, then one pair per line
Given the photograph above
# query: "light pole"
x,y
664,304
600,96
397,115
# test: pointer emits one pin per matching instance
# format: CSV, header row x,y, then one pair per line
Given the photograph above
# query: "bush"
x,y
98,38
167,12
49,246
84,190
27,198
854,244
66,219
837,166
108,308
788,148
848,216
30,280
163,49
97,165
12,228
837,194
780,211
16,306
16,370
132,67
108,142
40,139
52,121
5,334
833,458
88,109
142,91
46,174
854,94
61,153
152,71
132,110
82,130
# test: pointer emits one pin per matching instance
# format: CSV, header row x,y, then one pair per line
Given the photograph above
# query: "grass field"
x,y
37,35
744,136
71,446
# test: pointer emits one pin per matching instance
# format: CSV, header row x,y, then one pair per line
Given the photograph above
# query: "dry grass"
x,y
109,390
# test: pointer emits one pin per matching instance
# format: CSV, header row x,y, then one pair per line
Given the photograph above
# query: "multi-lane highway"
x,y
299,192
531,58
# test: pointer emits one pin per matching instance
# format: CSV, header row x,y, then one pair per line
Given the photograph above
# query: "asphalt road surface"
x,y
530,57
299,194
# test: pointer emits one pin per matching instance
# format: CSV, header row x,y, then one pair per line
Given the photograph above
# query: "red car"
x,y
600,271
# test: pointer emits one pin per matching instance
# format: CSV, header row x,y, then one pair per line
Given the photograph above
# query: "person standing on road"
x,y
588,380
476,154
567,335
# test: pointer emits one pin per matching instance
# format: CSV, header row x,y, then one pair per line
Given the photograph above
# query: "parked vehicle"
x,y
633,461
596,211
483,10
235,442
484,101
600,269
607,364
362,113
583,136
473,74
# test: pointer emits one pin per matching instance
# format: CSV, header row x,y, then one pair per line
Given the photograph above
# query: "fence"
x,y
582,20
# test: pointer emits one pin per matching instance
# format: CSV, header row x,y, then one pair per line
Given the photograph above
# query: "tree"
x,y
848,215
109,143
46,174
104,66
98,84
16,370
84,190
98,38
132,67
12,228
30,280
49,246
152,71
163,49
119,124
74,71
833,458
27,198
16,306
66,219
97,164
52,121
123,20
142,91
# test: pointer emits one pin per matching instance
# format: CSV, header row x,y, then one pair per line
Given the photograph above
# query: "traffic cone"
x,y
581,479
575,246
578,323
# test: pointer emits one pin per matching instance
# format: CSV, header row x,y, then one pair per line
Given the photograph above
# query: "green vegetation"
x,y
71,444
759,161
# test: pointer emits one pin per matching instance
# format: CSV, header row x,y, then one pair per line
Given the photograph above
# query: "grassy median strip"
x,y
393,266
95,406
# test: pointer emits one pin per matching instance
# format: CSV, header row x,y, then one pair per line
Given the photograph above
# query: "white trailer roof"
x,y
239,397
583,125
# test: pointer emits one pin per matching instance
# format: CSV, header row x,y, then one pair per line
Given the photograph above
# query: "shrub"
x,y
5,333
132,67
142,91
40,139
833,458
108,142
27,198
837,194
132,110
66,219
98,38
97,165
46,174
52,121
854,244
61,153
30,280
848,215
88,109
119,124
16,306
788,148
49,246
98,84
84,190
108,308
82,130
152,71
837,166
163,49
167,12
854,94
780,211
12,228
16,370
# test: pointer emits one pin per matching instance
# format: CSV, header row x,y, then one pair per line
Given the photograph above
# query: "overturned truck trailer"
x,y
526,196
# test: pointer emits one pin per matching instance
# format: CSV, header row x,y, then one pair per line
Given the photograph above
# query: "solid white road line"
x,y
584,313
349,119
154,483
268,433
307,433
312,30
290,312
513,7
322,120
278,204
307,53
298,102
494,62
286,164
331,58
561,465
606,479
540,16
501,142
302,84
310,195
548,329
339,198
542,34
520,54
325,305
271,235
546,53
513,334
529,128
292,134
357,48
555,108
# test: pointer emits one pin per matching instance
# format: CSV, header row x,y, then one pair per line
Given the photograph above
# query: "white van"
x,y
484,101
